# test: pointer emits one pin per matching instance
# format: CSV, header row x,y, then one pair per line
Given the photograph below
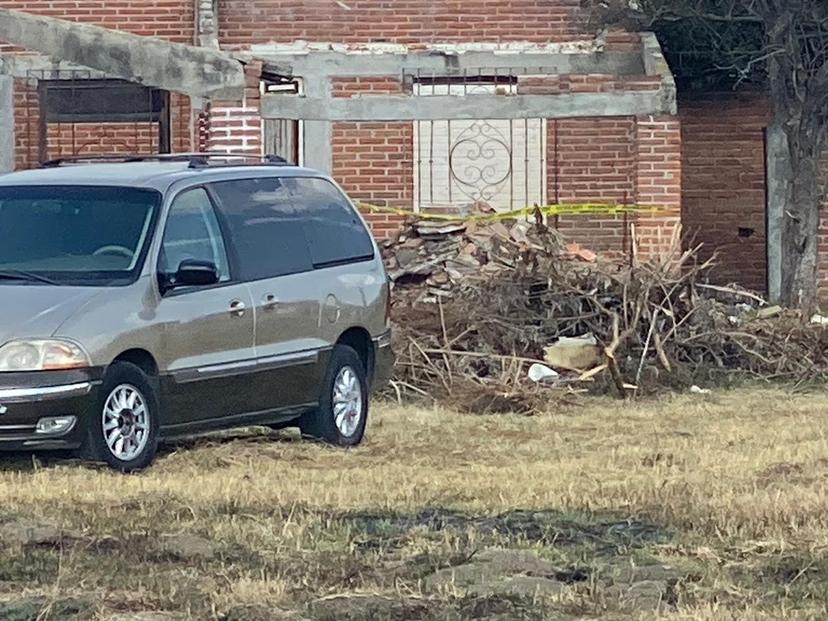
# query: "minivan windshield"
x,y
74,235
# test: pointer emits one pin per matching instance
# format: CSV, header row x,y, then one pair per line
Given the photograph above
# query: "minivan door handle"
x,y
237,308
269,302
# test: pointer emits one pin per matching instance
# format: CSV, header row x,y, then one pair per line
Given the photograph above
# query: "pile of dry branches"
x,y
475,307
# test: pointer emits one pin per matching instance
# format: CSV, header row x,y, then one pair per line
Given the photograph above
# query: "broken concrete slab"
x,y
493,569
24,532
258,612
626,572
354,607
187,547
147,616
646,595
195,71
519,586
34,607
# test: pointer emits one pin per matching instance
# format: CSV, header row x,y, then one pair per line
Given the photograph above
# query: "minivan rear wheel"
x,y
342,414
123,429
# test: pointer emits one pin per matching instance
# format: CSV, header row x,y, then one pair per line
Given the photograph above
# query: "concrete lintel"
x,y
443,107
342,64
6,124
147,60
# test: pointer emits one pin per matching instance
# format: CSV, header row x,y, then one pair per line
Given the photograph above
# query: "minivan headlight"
x,y
42,355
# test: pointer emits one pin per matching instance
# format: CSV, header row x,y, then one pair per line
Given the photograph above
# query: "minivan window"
x,y
192,232
334,231
267,228
291,224
81,235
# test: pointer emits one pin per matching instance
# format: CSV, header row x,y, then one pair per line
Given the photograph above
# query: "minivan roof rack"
x,y
196,160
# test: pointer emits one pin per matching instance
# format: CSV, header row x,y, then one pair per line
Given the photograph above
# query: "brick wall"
x,y
658,181
374,162
724,185
67,139
593,160
246,22
169,19
25,125
588,160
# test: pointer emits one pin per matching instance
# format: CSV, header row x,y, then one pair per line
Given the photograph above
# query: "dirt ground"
x,y
693,507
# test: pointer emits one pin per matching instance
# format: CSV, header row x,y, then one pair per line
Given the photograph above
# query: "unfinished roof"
x,y
195,71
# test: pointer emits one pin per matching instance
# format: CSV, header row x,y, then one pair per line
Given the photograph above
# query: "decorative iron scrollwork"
x,y
480,161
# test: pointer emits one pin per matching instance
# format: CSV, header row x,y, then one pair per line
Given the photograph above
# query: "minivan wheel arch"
x,y
141,358
359,339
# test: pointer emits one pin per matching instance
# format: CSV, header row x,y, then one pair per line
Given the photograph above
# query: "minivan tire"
x,y
344,394
125,381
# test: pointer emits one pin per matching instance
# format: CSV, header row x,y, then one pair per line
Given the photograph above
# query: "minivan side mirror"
x,y
191,273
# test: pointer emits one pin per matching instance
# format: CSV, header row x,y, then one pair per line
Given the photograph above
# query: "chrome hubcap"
x,y
347,401
126,422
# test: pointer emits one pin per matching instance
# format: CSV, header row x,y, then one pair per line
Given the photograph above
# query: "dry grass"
x,y
729,488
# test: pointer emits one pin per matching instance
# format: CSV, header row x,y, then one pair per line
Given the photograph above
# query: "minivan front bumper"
x,y
46,410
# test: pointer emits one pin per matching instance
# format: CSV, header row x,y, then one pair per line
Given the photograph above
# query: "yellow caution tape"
x,y
565,209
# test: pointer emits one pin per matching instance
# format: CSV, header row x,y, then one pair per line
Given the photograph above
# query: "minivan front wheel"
x,y
342,414
123,432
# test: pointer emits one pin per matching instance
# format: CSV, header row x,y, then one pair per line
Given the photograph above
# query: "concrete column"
x,y
318,135
6,124
778,173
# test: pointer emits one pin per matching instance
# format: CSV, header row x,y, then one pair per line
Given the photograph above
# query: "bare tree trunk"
x,y
800,223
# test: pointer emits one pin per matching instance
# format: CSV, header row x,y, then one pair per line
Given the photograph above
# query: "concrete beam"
x,y
43,68
655,64
154,62
444,107
778,174
344,64
317,136
6,124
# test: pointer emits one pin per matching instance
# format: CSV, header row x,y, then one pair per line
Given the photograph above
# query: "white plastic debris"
x,y
574,354
540,373
699,391
819,320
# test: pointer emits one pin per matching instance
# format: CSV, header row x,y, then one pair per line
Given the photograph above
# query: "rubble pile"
x,y
507,316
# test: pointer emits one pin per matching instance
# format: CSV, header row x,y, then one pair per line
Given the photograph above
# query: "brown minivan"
x,y
147,298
